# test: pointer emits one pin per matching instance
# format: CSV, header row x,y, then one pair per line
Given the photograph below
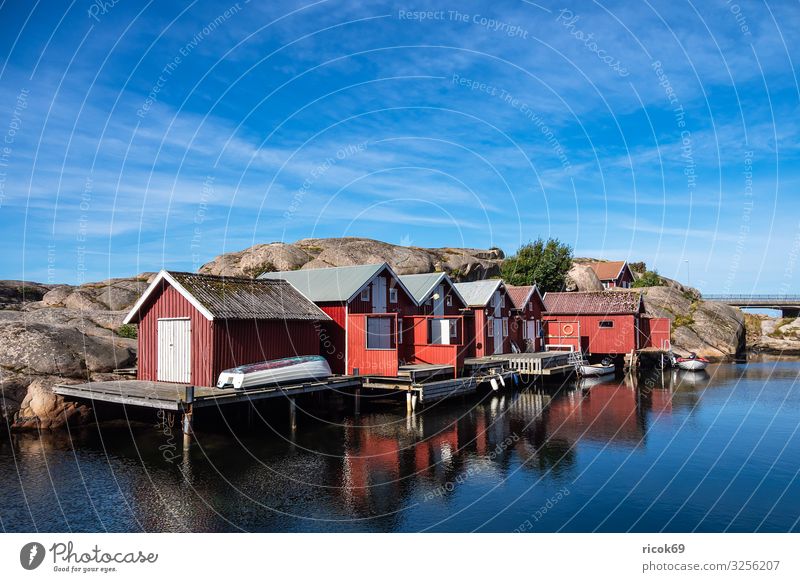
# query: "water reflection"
x,y
481,463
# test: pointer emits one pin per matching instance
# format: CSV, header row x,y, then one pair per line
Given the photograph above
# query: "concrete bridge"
x,y
788,305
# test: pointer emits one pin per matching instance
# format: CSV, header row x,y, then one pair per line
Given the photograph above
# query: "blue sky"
x,y
140,135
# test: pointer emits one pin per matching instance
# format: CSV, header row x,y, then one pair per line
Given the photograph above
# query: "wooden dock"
x,y
535,363
169,396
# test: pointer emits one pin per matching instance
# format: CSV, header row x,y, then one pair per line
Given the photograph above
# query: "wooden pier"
x,y
536,363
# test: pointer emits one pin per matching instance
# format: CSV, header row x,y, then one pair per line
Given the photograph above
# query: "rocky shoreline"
x,y
52,334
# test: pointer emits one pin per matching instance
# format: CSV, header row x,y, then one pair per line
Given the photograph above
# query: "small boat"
x,y
282,371
692,362
604,368
596,369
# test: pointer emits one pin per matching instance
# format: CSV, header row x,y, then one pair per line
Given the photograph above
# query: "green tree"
x,y
648,279
545,263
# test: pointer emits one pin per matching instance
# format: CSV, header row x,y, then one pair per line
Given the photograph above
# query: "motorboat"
x,y
282,371
692,362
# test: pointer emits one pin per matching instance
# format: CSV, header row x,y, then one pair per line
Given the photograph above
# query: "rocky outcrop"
x,y
463,264
69,335
770,335
582,278
710,329
15,293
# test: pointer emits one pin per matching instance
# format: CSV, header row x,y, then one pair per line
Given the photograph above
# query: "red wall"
x,y
170,303
655,332
333,339
620,339
368,362
238,342
454,309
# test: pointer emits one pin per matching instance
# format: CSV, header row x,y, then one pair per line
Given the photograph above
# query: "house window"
x,y
453,328
365,294
400,332
449,301
490,330
505,326
606,323
606,284
524,332
502,301
393,295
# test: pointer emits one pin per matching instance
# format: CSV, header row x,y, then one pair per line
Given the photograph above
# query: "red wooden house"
x,y
603,322
526,321
191,327
435,334
365,304
489,316
613,273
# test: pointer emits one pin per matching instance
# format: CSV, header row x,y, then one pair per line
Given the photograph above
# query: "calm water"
x,y
711,453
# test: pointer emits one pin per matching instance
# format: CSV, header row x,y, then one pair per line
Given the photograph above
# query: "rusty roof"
x,y
607,270
593,302
520,294
236,298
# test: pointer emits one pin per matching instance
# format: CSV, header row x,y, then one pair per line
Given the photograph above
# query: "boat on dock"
x,y
271,372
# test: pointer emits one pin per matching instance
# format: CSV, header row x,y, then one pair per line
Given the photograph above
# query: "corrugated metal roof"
x,y
238,298
329,284
607,270
478,293
422,285
593,302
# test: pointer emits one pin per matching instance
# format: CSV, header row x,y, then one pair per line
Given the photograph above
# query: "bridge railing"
x,y
752,297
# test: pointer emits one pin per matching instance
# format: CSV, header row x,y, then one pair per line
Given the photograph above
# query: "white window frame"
x,y
448,301
505,327
502,300
365,293
393,295
490,322
453,328
602,321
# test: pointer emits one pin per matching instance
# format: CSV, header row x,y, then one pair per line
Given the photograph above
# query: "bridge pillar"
x,y
790,311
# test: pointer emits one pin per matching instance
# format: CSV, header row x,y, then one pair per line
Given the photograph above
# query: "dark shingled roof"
x,y
593,302
239,298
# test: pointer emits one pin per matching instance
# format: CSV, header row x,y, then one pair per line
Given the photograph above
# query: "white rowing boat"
x,y
692,363
283,371
596,369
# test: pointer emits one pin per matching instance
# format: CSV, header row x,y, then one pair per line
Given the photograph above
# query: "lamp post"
x,y
688,277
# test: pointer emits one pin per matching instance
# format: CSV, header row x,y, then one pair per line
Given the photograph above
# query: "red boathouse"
x,y
191,327
526,321
490,309
365,304
602,322
435,335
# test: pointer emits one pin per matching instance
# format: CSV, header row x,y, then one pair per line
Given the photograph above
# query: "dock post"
x,y
292,414
357,403
414,398
409,405
187,416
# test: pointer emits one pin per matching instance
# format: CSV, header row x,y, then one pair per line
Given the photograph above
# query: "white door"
x,y
497,328
496,302
379,295
530,332
440,331
174,350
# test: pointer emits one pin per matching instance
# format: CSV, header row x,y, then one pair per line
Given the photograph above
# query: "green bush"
x,y
127,330
649,279
545,263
